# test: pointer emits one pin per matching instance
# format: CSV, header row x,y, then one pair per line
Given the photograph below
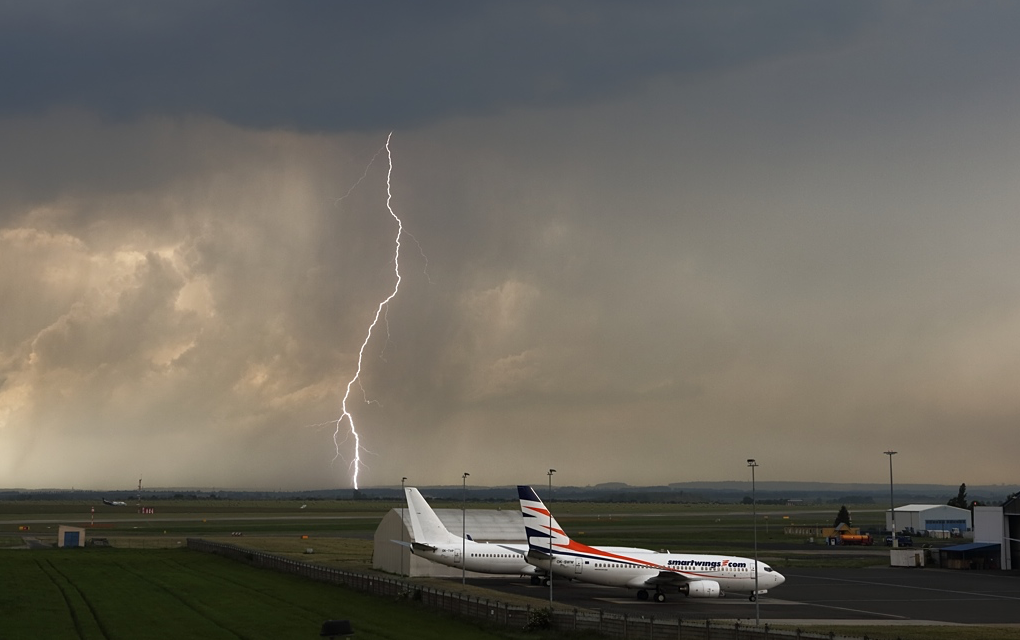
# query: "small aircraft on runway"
x,y
695,575
114,503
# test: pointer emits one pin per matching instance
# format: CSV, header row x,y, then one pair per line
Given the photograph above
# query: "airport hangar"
x,y
481,525
930,517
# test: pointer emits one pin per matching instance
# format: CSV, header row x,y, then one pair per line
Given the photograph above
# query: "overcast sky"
x,y
643,242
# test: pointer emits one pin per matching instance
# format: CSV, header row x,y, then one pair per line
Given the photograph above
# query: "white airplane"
x,y
114,503
433,541
695,575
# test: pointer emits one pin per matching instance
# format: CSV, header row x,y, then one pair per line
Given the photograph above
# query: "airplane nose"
x,y
779,578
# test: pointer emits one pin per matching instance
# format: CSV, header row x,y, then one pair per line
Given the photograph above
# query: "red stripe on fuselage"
x,y
598,553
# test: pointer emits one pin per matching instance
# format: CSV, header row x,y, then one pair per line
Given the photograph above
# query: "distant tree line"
x,y
608,492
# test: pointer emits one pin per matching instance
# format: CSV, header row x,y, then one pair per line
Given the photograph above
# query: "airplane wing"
x,y
415,546
660,579
537,554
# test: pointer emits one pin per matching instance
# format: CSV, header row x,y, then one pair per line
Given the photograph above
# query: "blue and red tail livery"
x,y
542,530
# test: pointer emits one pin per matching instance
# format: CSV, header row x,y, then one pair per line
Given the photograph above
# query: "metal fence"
x,y
521,617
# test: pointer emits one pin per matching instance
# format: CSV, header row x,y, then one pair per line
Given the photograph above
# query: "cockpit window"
x,y
768,568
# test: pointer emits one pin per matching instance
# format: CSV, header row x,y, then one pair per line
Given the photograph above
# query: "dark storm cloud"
x,y
341,66
656,238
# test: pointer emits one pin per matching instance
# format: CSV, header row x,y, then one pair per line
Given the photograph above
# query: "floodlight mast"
x,y
892,504
463,530
550,474
403,496
754,515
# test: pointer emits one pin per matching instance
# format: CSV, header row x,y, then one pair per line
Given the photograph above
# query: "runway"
x,y
878,595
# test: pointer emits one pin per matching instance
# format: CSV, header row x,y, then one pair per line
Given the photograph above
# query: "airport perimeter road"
x,y
880,595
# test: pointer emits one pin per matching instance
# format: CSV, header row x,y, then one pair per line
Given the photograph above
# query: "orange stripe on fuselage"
x,y
578,547
583,548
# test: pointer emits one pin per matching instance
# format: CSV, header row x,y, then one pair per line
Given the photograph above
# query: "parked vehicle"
x,y
901,541
857,539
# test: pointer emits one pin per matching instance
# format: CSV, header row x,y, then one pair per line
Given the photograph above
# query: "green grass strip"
x,y
125,594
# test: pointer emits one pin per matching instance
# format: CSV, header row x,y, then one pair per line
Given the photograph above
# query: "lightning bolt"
x,y
363,175
346,415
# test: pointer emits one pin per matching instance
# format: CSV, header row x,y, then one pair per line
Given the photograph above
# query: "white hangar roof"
x,y
927,507
486,525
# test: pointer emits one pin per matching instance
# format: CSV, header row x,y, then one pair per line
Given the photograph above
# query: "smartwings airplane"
x,y
433,541
695,575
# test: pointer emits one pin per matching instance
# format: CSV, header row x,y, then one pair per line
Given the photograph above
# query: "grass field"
x,y
113,593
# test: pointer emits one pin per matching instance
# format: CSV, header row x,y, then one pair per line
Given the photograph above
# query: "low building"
x,y
930,517
819,531
68,536
973,555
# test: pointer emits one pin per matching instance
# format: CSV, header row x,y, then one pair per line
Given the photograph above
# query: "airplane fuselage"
x,y
638,570
479,557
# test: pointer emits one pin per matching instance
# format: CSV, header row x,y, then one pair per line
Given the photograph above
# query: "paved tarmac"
x,y
878,595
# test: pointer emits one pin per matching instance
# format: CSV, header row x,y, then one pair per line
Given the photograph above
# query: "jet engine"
x,y
702,589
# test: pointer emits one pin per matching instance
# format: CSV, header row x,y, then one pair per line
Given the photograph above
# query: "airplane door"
x,y
578,564
456,557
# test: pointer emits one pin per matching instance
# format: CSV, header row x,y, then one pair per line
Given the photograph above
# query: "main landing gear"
x,y
659,596
753,598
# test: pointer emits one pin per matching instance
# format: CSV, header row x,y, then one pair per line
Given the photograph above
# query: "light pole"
x,y
403,550
551,472
463,530
892,505
754,514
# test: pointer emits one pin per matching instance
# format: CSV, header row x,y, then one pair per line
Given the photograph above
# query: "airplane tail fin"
x,y
544,534
426,527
